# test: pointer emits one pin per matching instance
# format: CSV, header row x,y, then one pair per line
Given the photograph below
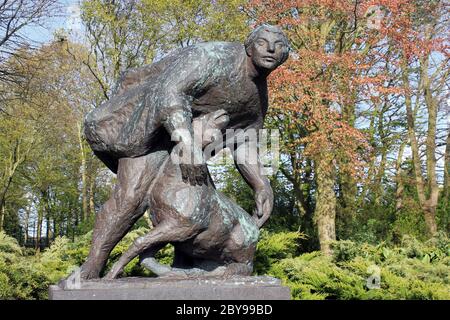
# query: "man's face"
x,y
267,50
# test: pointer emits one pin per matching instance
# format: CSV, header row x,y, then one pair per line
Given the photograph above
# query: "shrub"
x,y
19,276
28,277
9,245
414,270
63,256
273,247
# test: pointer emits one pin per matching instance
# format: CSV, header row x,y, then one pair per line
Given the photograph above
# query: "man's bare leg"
x,y
126,205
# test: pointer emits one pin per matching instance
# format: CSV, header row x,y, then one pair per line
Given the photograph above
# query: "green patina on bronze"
x,y
220,85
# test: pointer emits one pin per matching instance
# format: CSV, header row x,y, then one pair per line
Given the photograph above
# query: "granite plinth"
x,y
235,288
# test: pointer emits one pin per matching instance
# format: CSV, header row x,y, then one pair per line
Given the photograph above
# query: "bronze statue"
x,y
219,85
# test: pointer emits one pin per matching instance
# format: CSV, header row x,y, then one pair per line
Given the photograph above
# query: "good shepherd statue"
x,y
154,133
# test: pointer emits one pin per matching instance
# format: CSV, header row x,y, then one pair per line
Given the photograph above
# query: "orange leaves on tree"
x,y
336,65
332,70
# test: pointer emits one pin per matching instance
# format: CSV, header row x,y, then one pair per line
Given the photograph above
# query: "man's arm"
x,y
192,72
188,150
251,171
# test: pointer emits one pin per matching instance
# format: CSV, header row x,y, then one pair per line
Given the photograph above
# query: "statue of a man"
x,y
131,133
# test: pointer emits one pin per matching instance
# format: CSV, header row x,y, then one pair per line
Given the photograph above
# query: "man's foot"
x,y
88,273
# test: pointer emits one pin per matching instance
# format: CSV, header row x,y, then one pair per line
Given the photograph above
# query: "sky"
x,y
69,19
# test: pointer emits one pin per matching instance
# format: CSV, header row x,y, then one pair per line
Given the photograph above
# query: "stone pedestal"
x,y
235,288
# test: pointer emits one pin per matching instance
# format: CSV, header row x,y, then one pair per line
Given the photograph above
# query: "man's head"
x,y
267,46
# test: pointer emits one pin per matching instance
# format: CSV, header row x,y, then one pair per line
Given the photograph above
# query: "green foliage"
x,y
230,182
28,277
56,261
49,176
19,277
443,209
414,270
128,34
165,255
380,222
85,226
9,244
273,247
63,256
409,221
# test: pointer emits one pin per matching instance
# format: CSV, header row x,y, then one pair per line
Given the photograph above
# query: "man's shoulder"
x,y
219,45
213,51
218,50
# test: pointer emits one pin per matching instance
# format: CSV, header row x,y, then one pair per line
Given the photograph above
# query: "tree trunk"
x,y
433,188
348,187
84,187
384,149
378,183
26,222
75,223
55,230
447,166
446,191
348,202
47,231
430,217
92,195
46,215
34,232
429,204
2,216
14,161
299,177
62,228
325,213
37,245
16,158
399,179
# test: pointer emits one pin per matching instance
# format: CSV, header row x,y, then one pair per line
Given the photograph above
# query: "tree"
x,y
316,92
50,161
345,74
15,16
16,142
128,34
429,56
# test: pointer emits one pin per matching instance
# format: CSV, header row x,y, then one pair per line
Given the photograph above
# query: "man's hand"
x,y
264,204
